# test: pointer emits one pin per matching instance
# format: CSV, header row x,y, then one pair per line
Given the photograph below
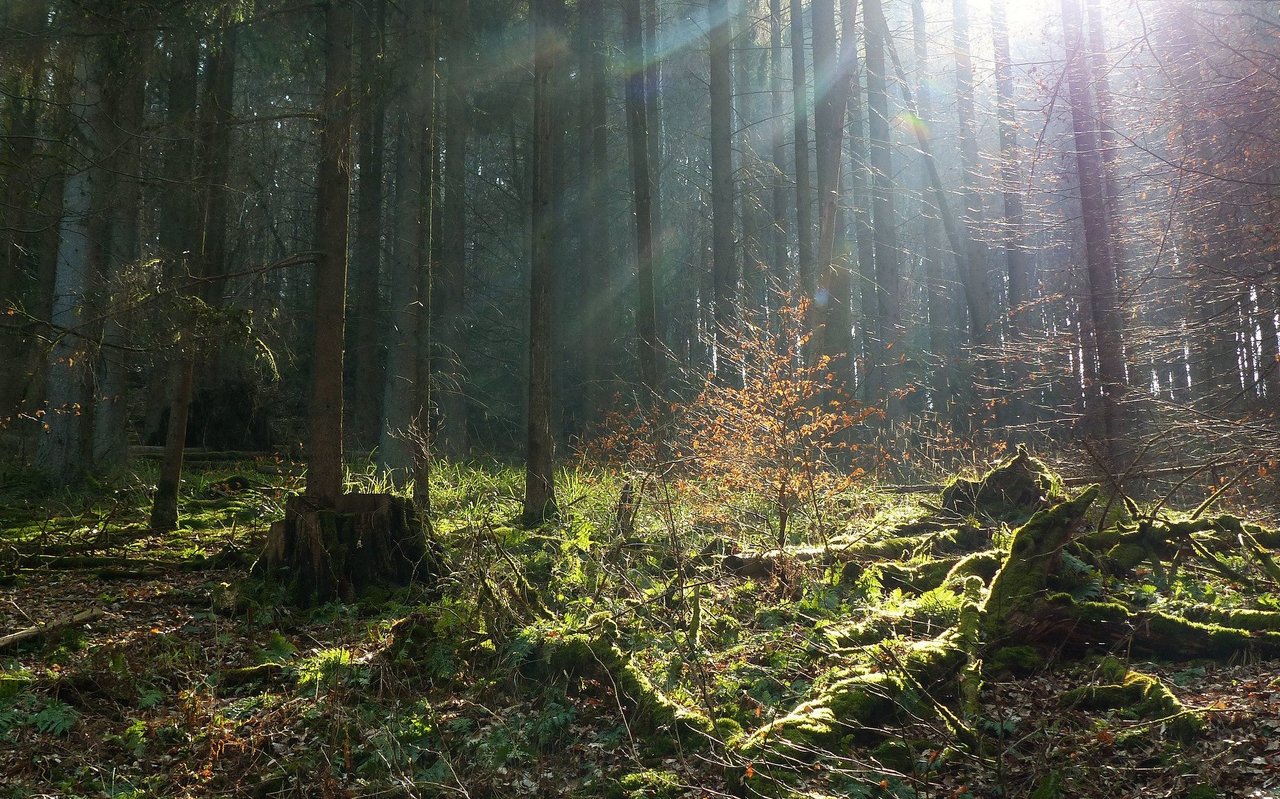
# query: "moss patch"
x,y
1143,696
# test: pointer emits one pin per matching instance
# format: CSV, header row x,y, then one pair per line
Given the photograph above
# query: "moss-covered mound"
x,y
1016,488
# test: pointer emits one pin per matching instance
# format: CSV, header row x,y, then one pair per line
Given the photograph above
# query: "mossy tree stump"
x,y
336,553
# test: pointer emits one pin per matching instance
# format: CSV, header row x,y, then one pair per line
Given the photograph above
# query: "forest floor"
x,y
720,668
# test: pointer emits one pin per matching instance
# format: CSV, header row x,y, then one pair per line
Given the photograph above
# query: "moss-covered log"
x,y
933,539
857,704
549,655
1018,587
1144,697
366,541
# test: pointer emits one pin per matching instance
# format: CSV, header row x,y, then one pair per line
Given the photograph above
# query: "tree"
x,y
330,544
539,483
973,272
450,290
638,134
366,254
804,191
402,433
1102,292
724,262
881,374
1018,273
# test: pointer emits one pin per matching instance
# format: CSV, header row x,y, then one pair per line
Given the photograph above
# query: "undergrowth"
x,y
609,654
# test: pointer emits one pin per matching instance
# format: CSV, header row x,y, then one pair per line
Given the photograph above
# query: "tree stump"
x,y
366,541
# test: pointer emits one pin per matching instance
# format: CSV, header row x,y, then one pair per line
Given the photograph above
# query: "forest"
x,y
640,399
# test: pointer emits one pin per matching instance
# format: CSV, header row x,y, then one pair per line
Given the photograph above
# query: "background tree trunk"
x,y
539,484
636,88
324,456
724,262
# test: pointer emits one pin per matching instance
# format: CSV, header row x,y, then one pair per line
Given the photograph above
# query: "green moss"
x,y
917,578
551,654
1236,618
14,681
1016,488
1013,660
648,785
849,703
1126,555
1111,669
895,754
1143,696
1032,555
982,564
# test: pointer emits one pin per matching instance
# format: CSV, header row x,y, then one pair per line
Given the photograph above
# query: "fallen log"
x,y
44,628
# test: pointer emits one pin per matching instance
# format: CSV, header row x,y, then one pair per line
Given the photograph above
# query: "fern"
x,y
56,718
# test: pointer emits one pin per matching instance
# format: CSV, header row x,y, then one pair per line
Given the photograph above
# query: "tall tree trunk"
x,y
217,119
883,374
324,455
429,247
179,243
806,272
59,451
977,290
723,259
941,325
110,414
451,285
638,135
654,143
1107,139
779,232
834,73
409,253
539,483
860,195
195,240
366,255
593,167
21,176
1018,277
1108,389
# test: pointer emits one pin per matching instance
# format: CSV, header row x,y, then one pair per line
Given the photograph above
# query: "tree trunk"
x,y
654,142
804,193
366,256
779,232
539,485
337,551
638,135
882,372
59,452
723,258
429,246
941,325
451,285
599,274
324,455
110,413
1108,143
180,246
977,290
415,79
1018,275
1109,388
